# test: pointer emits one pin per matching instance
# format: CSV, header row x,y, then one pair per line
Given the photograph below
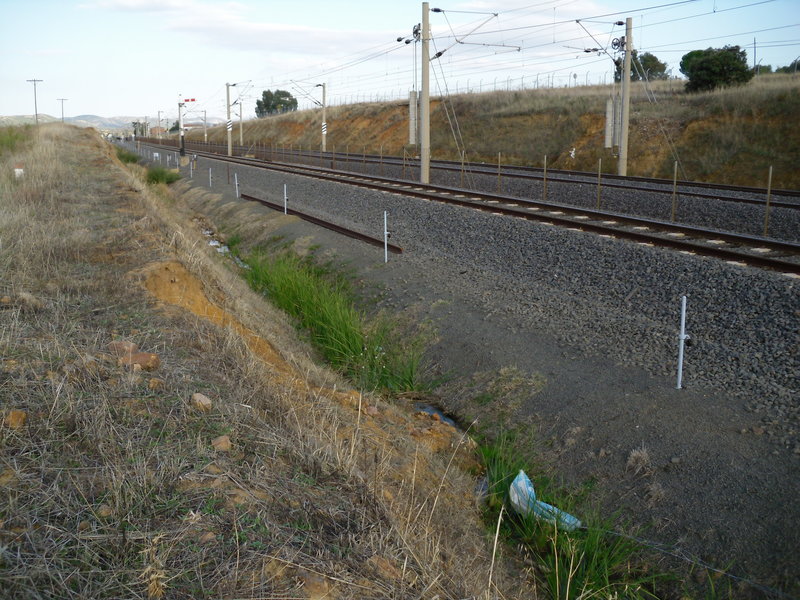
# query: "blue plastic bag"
x,y
523,499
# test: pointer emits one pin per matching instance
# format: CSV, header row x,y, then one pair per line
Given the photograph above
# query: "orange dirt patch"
x,y
171,283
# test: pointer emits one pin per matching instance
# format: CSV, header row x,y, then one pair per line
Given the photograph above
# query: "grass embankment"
x,y
117,481
727,136
590,562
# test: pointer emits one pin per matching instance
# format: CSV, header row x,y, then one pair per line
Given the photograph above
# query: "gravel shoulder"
x,y
572,338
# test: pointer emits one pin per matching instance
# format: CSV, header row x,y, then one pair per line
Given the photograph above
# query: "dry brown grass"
x,y
111,488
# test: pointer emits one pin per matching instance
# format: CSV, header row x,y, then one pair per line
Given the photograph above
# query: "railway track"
x,y
758,251
778,198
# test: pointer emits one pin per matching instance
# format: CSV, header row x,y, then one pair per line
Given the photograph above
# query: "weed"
x,y
322,302
126,156
591,562
12,137
162,175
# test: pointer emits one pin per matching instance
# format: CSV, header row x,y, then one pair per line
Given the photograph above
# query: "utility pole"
x,y
425,100
229,123
324,120
180,128
622,161
62,100
205,128
241,124
35,103
159,124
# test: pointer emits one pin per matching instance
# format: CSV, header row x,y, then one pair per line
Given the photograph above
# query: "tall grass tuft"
x,y
369,353
12,137
162,175
591,562
126,156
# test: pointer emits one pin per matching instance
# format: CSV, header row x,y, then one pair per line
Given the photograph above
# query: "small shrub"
x,y
162,175
127,157
11,137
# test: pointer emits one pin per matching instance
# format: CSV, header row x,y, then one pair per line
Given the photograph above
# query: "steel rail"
x,y
552,213
326,224
525,172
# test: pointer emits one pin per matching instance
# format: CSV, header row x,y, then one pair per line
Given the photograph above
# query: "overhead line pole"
x,y
35,103
425,100
622,164
62,100
324,120
229,123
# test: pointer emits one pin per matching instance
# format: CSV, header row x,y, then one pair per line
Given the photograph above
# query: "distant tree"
x,y
762,69
647,65
651,67
139,128
271,103
790,68
175,127
714,67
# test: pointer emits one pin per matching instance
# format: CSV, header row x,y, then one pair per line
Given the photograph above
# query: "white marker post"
x,y
236,183
682,337
209,176
191,171
285,199
385,240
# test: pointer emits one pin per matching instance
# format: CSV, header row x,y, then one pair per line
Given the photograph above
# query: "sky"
x,y
142,57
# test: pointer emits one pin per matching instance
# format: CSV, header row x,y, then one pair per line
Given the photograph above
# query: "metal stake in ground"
x,y
236,182
385,240
285,199
769,194
209,176
682,337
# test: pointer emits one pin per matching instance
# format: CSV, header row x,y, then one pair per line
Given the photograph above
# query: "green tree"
x,y
790,68
651,67
271,103
175,127
645,66
715,67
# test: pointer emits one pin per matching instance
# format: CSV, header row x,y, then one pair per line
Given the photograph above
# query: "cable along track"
x,y
757,251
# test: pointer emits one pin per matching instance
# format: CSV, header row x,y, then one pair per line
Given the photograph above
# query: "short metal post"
x,y
385,240
682,337
381,160
499,175
544,182
463,158
599,175
209,176
674,191
236,182
285,200
191,171
769,194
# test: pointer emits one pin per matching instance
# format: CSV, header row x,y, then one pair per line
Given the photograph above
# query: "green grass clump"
x,y
127,157
369,353
590,562
162,175
11,137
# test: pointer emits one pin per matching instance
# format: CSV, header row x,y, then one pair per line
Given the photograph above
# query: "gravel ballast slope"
x,y
597,318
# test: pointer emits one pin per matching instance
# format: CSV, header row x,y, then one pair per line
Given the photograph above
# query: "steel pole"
x,y
622,166
425,101
228,123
